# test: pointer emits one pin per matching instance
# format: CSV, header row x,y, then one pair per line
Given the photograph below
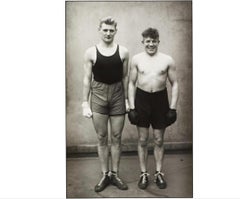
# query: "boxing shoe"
x,y
116,181
133,116
171,116
160,182
143,182
104,182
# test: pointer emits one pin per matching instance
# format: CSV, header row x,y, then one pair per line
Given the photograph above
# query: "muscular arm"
x,y
125,73
87,75
172,77
132,81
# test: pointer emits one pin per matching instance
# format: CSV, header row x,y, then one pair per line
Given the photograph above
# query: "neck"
x,y
106,45
151,55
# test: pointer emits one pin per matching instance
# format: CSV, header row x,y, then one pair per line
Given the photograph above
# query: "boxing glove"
x,y
86,110
133,116
171,116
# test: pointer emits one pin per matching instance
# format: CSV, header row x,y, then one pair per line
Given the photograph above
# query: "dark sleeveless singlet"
x,y
108,69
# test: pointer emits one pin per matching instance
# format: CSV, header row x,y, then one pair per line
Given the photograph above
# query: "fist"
x,y
133,116
86,110
171,116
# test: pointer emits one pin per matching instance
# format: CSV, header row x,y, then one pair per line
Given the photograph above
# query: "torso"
x,y
105,52
107,64
152,71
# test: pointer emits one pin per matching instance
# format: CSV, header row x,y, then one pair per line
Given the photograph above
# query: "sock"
x,y
105,173
114,172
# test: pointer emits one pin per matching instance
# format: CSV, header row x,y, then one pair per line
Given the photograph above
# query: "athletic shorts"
x,y
152,108
107,99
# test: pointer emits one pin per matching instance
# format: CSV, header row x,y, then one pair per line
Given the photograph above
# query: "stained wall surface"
x,y
174,22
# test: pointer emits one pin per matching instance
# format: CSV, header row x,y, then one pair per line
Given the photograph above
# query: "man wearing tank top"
x,y
105,78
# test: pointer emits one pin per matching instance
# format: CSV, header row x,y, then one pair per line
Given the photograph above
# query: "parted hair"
x,y
108,20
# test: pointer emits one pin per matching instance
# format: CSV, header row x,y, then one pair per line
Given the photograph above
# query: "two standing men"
x,y
145,98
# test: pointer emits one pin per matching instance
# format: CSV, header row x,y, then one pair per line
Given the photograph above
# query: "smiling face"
x,y
150,45
107,32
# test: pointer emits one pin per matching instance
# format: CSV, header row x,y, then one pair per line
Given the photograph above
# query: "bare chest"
x,y
153,67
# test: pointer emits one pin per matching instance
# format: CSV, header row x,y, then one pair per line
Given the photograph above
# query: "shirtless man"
x,y
107,63
148,102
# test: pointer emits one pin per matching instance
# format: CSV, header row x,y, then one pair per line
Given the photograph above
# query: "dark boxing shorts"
x,y
152,108
107,99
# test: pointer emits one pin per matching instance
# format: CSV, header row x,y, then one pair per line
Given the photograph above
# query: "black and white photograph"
x,y
119,99
129,99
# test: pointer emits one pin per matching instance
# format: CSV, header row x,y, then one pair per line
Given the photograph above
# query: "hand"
x,y
133,116
86,110
171,116
127,105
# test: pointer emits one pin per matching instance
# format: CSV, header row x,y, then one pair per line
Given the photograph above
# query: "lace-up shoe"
x,y
143,182
116,181
161,183
104,182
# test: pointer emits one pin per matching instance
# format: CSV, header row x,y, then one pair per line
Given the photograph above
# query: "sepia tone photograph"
x,y
129,106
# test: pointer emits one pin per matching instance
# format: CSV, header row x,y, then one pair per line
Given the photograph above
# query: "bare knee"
x,y
158,142
102,139
116,138
143,142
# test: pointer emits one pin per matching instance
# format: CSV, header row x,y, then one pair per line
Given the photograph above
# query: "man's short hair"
x,y
151,32
108,20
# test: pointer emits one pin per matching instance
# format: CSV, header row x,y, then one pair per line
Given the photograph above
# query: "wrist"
x,y
172,110
85,104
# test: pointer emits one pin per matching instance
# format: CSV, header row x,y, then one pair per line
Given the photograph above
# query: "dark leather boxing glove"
x,y
133,116
171,116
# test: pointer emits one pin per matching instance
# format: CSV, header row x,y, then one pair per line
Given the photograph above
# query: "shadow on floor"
x,y
83,173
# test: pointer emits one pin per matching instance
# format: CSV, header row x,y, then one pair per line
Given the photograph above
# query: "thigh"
x,y
142,106
99,103
116,124
117,102
159,110
100,123
143,133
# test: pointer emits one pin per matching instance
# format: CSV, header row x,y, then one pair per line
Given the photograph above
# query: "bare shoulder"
x,y
168,58
90,53
138,57
123,51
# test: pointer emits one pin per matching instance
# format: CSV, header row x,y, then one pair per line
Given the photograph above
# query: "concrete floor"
x,y
84,173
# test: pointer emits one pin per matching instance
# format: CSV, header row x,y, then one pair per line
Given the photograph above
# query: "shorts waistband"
x,y
108,84
153,93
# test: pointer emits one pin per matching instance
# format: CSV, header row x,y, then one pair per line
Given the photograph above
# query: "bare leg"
x,y
100,123
158,148
116,123
143,134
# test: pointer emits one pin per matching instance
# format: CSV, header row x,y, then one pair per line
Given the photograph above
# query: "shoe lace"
x,y
144,175
117,178
159,173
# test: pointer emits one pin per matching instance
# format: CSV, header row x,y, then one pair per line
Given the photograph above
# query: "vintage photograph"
x,y
129,104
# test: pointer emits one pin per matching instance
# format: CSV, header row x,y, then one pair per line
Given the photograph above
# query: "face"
x,y
150,45
107,32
